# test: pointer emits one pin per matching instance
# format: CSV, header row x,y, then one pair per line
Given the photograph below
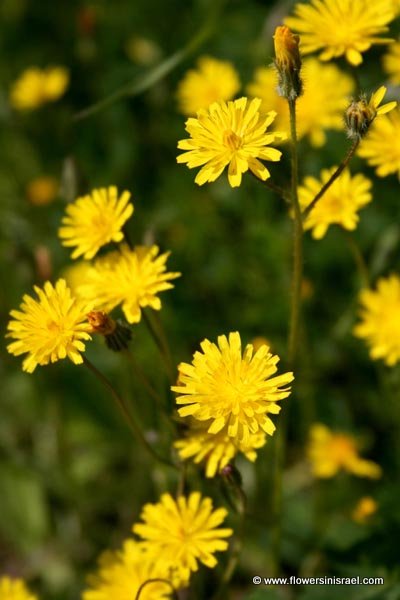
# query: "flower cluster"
x,y
36,87
230,395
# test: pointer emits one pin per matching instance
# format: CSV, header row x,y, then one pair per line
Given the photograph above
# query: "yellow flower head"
x,y
51,328
181,533
122,573
380,320
132,278
234,392
75,274
95,220
288,63
341,27
217,450
42,190
14,589
360,114
338,205
230,133
330,452
365,508
36,87
381,147
391,63
325,96
213,80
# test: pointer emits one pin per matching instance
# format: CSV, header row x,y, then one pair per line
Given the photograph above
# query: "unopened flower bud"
x,y
116,333
359,117
101,322
288,63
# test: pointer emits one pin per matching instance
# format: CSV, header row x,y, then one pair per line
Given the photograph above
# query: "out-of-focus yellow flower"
x,y
36,87
380,320
325,97
331,452
381,147
232,134
307,288
341,27
49,329
391,63
143,51
259,341
76,273
181,533
95,220
235,392
364,509
339,204
361,114
14,589
42,190
213,80
132,278
121,574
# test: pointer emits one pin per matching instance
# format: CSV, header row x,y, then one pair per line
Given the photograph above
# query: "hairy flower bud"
x,y
361,113
116,333
288,63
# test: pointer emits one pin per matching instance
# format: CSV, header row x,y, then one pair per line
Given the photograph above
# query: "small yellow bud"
x,y
288,62
364,510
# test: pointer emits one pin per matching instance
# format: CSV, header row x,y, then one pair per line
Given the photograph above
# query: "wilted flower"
x,y
360,114
288,63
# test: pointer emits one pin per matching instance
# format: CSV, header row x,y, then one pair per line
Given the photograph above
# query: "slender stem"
x,y
297,243
333,177
130,421
280,191
143,378
161,342
358,259
155,580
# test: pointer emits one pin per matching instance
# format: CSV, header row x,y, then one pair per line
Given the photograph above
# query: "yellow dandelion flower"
x,y
217,450
380,320
364,509
330,452
391,63
181,533
122,573
341,27
381,147
234,392
14,589
75,275
42,190
326,90
213,80
36,87
132,278
95,220
340,203
51,328
230,133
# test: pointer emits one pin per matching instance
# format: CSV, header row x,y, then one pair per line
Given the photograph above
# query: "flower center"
x,y
231,140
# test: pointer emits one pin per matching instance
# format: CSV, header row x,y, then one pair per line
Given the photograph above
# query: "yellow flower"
x,y
380,320
341,27
321,107
364,509
213,80
287,63
233,134
361,114
217,450
42,190
36,87
330,452
121,574
234,392
181,533
14,589
95,220
391,63
381,147
132,278
339,204
75,274
49,329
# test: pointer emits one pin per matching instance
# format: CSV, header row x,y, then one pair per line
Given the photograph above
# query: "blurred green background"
x,y
71,480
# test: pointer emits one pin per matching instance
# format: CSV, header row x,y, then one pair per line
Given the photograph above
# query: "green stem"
x,y
333,177
158,335
155,580
358,259
146,81
130,421
281,192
